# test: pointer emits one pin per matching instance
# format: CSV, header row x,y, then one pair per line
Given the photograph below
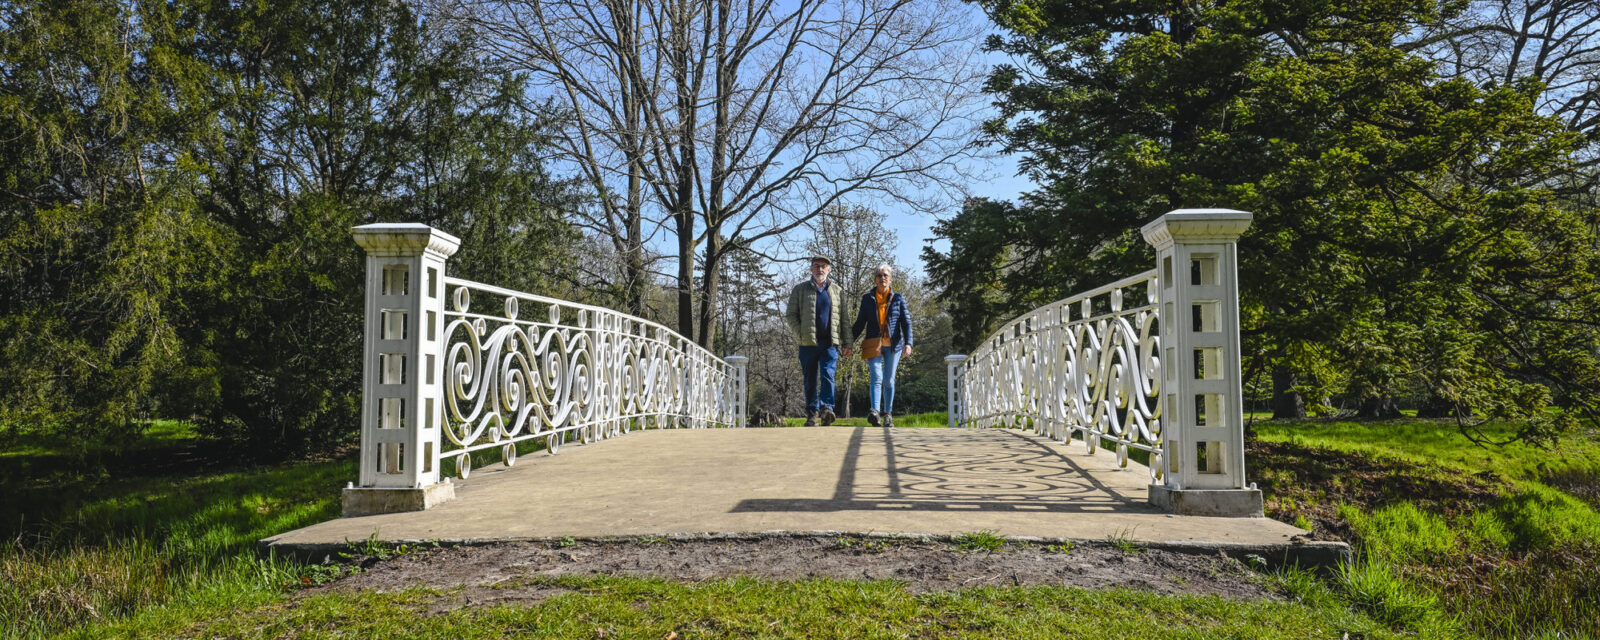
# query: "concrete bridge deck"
x,y
865,480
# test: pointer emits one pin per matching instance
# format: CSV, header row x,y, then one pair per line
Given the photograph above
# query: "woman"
x,y
885,322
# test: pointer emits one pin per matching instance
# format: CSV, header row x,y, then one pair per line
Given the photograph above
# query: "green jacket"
x,y
801,314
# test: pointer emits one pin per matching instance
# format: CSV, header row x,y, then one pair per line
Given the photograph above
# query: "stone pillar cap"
x,y
404,239
1197,226
955,358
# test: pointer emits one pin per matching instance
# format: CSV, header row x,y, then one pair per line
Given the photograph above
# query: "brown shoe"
x,y
811,418
827,417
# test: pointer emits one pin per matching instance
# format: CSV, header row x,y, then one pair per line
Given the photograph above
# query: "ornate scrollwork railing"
x,y
1085,366
519,366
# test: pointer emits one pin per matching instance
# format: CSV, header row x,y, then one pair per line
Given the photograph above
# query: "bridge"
x,y
1115,413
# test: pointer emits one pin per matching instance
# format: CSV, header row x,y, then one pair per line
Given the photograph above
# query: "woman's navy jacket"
x,y
867,316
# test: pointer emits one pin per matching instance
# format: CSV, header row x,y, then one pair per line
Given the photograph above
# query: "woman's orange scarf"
x,y
883,296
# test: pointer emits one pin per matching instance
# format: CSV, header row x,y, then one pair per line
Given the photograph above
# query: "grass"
x,y
919,420
1495,542
750,608
1123,541
145,542
1454,541
986,541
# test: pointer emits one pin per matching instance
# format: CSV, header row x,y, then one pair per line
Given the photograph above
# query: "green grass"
x,y
1439,441
751,608
1454,541
1498,541
986,540
920,420
147,542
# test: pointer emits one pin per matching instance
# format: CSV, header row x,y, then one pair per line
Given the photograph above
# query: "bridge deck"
x,y
823,479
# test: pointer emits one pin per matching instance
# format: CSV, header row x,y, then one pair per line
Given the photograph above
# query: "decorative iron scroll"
x,y
536,367
1096,374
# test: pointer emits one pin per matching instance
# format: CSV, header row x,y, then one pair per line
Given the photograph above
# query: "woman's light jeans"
x,y
881,386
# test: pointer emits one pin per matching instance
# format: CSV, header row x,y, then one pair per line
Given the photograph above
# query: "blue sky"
x,y
914,229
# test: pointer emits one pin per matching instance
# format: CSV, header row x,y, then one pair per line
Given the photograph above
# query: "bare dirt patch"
x,y
521,572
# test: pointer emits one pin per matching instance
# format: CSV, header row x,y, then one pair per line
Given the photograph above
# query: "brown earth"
x,y
522,572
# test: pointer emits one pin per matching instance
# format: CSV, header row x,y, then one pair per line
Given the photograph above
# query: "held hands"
x,y
847,351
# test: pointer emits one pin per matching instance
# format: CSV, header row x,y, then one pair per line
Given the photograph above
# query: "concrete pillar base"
x,y
366,501
1231,503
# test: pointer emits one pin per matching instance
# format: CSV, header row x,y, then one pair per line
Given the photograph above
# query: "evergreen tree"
x,y
181,180
1395,212
102,237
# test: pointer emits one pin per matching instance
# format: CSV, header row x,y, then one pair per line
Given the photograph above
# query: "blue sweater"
x,y
866,325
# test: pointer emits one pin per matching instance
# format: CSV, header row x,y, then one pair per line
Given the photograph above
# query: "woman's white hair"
x,y
884,267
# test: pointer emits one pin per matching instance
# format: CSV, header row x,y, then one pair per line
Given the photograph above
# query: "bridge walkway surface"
x,y
859,480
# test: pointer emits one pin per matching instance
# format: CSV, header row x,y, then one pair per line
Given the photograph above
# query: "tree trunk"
x,y
709,284
685,270
1378,408
1287,404
1437,407
845,382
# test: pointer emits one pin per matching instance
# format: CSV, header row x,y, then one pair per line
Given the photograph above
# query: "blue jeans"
x,y
814,360
881,386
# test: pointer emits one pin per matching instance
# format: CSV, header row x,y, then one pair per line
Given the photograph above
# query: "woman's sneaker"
x,y
872,418
827,416
888,420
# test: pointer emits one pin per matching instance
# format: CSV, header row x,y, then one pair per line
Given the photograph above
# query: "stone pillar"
x,y
741,393
402,407
952,363
1202,403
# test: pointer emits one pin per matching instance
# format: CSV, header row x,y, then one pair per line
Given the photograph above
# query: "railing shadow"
x,y
887,469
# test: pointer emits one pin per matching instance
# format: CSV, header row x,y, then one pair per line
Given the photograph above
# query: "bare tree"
x,y
1503,42
855,239
745,120
754,300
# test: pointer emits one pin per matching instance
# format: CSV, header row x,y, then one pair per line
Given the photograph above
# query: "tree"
x,y
1554,43
102,239
1389,203
342,113
744,121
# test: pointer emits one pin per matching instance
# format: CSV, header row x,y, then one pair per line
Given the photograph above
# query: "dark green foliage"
x,y
1407,240
102,237
406,126
188,175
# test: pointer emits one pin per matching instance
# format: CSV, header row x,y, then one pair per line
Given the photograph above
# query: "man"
x,y
813,315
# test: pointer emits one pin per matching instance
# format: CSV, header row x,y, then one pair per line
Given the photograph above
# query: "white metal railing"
x,y
1085,366
575,369
497,367
1150,363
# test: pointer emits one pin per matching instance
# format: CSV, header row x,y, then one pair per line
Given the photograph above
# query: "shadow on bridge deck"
x,y
805,480
945,470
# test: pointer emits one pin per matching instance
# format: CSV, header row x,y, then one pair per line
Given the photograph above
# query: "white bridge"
x,y
458,373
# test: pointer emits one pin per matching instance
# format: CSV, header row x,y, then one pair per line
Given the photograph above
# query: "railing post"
x,y
1203,418
952,363
741,397
401,375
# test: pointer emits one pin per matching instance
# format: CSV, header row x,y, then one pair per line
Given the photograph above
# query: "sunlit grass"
x,y
919,420
1514,557
750,608
151,542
